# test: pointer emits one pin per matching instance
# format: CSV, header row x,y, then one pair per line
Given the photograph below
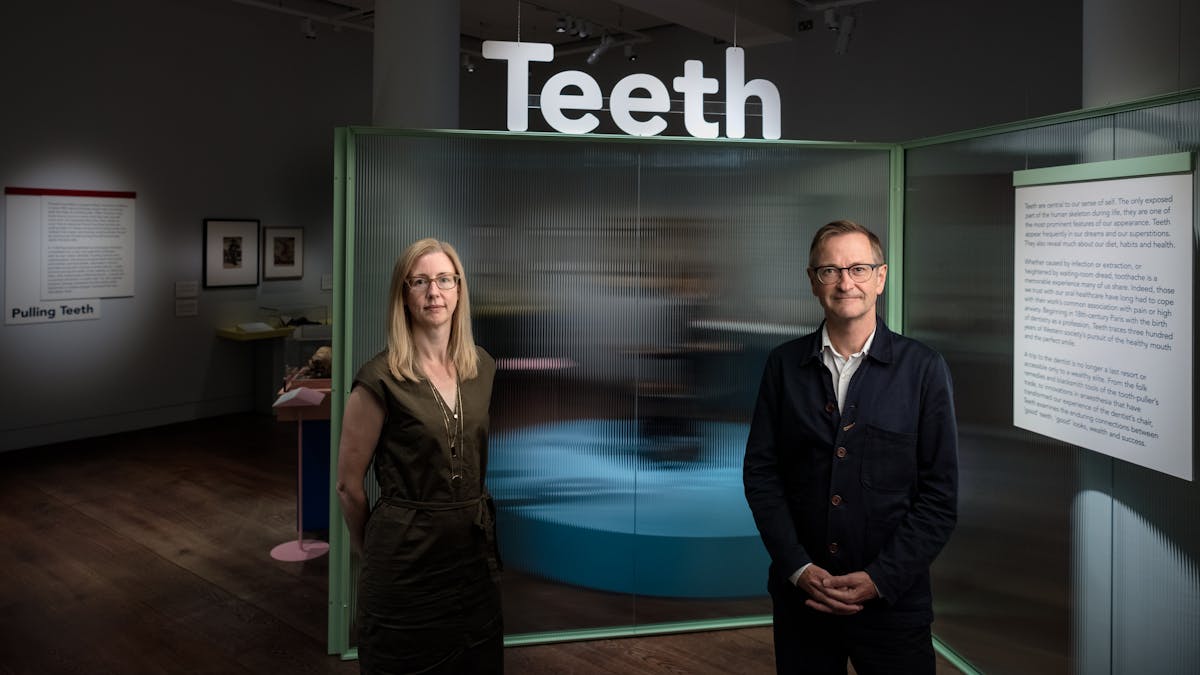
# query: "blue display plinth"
x,y
314,505
594,503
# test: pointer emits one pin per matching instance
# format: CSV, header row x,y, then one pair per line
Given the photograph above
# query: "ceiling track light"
x,y
308,29
843,38
831,19
467,64
606,41
630,53
560,26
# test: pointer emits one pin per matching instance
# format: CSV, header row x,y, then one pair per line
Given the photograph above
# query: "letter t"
x,y
694,85
518,55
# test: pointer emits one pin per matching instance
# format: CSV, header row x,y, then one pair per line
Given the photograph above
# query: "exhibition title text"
x,y
636,93
51,312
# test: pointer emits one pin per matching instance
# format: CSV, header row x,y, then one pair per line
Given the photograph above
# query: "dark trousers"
x,y
808,642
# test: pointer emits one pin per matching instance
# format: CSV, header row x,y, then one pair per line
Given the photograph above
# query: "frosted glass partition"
x,y
630,290
1063,560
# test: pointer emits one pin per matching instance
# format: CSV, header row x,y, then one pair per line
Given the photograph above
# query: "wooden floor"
x,y
742,652
148,552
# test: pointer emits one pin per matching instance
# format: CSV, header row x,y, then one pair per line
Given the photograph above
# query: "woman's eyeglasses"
x,y
421,284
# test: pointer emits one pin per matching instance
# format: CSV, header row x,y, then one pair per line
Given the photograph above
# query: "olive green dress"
x,y
428,595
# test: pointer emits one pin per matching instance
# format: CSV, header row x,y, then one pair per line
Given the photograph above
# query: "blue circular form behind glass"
x,y
595,503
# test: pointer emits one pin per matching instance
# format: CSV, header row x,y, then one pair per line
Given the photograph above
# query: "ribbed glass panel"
x,y
1063,560
1158,131
630,292
1006,571
724,234
1092,565
1156,617
1155,537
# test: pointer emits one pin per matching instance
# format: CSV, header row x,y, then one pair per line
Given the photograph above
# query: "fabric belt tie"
x,y
485,515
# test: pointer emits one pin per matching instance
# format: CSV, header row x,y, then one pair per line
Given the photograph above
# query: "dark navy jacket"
x,y
873,488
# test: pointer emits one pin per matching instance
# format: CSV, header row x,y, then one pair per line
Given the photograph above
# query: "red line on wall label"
x,y
50,192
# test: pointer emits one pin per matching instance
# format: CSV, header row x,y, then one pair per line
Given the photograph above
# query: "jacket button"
x,y
841,452
848,427
829,407
836,500
833,547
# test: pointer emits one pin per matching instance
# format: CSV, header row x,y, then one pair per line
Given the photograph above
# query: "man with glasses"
x,y
851,472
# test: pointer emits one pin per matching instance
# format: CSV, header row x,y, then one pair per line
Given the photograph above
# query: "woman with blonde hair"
x,y
428,596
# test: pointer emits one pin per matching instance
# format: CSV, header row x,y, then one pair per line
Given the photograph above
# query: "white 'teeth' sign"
x,y
623,103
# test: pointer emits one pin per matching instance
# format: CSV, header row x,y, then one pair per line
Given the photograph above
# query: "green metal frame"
x,y
354,131
1177,162
894,300
954,658
343,218
340,605
1182,96
343,234
641,630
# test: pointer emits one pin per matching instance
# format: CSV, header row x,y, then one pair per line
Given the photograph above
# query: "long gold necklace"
x,y
452,439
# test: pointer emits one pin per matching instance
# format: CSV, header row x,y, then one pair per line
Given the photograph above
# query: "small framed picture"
x,y
230,252
283,252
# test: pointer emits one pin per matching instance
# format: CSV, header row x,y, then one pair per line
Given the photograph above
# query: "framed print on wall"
x,y
230,252
283,252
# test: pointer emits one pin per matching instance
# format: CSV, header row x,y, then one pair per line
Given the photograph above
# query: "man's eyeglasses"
x,y
421,284
858,272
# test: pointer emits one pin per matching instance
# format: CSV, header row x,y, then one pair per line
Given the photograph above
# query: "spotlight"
x,y
309,30
630,54
467,64
605,42
831,19
585,29
560,26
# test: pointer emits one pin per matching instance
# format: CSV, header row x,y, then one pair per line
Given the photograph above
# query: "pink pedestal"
x,y
301,548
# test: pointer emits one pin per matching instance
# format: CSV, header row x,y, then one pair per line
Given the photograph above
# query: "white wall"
x,y
204,109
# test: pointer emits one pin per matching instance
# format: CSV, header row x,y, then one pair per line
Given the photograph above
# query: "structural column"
x,y
416,64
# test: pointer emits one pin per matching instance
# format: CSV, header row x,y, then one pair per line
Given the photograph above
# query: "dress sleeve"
x,y
487,364
371,375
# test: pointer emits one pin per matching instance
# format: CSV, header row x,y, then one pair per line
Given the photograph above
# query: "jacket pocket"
x,y
889,460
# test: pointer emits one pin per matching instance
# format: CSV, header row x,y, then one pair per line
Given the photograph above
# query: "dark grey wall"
x,y
913,69
212,109
1134,50
204,109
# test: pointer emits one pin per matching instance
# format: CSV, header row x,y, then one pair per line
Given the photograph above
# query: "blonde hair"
x,y
840,227
401,355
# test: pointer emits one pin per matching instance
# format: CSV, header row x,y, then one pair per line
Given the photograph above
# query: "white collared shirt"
x,y
842,368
